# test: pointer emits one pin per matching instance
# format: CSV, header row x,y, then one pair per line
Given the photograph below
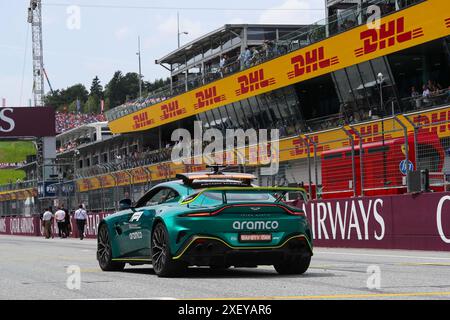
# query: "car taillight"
x,y
199,214
295,212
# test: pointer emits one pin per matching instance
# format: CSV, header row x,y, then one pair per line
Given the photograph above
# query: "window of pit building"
x,y
261,34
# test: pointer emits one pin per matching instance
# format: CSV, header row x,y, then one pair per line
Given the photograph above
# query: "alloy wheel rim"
x,y
103,246
159,249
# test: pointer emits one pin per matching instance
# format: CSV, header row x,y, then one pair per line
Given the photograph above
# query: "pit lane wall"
x,y
412,222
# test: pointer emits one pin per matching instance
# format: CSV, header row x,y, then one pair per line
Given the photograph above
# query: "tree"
x,y
55,99
122,88
65,97
157,84
114,90
72,107
96,88
131,85
75,92
92,105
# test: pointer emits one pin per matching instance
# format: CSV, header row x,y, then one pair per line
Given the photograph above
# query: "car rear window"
x,y
216,198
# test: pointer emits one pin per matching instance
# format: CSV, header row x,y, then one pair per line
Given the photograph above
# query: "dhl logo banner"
x,y
253,81
388,35
207,97
436,121
407,28
310,62
17,194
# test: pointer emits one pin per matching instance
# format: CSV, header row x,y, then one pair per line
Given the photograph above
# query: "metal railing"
x,y
351,163
298,39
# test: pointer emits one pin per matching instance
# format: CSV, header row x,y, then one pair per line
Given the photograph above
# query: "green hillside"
x,y
7,175
12,152
17,151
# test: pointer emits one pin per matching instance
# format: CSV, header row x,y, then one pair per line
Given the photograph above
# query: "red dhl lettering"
x,y
389,34
300,148
122,178
208,97
164,170
447,22
438,122
311,61
370,133
140,174
171,110
253,81
193,168
141,120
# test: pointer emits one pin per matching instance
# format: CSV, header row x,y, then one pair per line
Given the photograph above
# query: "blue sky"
x,y
107,38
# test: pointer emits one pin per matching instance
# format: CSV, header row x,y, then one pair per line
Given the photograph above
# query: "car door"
x,y
141,221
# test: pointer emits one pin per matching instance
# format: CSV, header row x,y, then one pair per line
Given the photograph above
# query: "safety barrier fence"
x,y
374,158
409,221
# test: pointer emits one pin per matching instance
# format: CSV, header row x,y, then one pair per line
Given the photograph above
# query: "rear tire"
x,y
104,251
163,264
295,265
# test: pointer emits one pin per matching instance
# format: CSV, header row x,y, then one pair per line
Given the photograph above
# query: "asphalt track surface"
x,y
36,268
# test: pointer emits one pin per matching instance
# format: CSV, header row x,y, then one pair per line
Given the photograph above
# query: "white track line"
x,y
379,255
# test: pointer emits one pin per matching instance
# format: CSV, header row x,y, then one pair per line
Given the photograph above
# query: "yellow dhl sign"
x,y
17,194
419,24
435,121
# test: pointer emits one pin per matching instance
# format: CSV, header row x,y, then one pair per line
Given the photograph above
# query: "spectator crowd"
x,y
70,120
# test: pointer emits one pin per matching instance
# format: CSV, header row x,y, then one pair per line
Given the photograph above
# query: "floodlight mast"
x,y
35,19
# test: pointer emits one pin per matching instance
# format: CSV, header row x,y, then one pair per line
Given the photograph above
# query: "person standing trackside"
x,y
81,217
60,217
47,221
68,227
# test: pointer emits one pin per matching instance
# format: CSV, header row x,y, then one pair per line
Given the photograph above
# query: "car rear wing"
x,y
244,179
277,192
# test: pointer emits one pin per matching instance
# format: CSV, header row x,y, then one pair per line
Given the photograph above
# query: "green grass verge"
x,y
16,151
6,175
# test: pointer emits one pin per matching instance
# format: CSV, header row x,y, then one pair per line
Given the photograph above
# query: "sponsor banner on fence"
x,y
32,226
407,28
414,222
432,121
411,222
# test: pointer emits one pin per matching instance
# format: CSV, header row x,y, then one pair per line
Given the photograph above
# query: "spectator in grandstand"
x,y
448,95
266,49
414,93
222,63
426,94
254,60
247,57
416,97
81,217
60,217
431,86
47,219
66,121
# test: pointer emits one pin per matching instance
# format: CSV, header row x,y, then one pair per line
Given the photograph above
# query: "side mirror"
x,y
125,204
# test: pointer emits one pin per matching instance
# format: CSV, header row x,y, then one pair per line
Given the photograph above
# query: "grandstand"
x,y
333,85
